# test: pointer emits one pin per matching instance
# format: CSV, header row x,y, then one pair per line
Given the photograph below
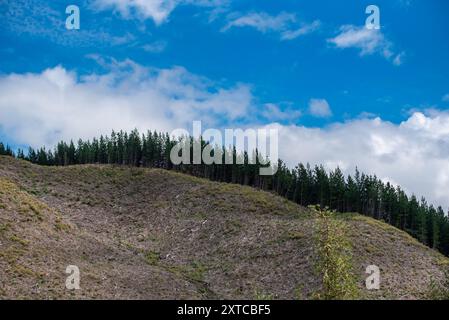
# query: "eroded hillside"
x,y
155,234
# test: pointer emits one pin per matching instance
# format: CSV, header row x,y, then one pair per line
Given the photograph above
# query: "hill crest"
x,y
156,234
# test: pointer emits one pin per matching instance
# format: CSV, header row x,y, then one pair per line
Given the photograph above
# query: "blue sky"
x,y
308,67
279,71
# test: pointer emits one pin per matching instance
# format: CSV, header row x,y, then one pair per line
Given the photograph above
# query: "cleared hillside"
x,y
155,234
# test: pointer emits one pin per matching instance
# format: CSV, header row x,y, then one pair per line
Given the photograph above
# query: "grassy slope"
x,y
147,233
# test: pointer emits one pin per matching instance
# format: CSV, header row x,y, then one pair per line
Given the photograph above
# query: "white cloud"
x,y
155,47
305,29
413,154
368,41
399,59
284,23
319,108
434,125
41,19
42,108
262,21
273,112
157,10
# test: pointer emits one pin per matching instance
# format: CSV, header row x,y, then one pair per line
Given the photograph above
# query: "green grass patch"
x,y
152,258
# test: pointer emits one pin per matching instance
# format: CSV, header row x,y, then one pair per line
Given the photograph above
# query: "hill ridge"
x,y
152,233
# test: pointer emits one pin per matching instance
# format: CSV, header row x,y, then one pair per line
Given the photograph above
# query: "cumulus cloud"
x,y
319,108
413,154
368,41
42,108
284,23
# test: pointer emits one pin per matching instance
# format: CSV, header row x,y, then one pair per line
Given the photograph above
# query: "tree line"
x,y
5,150
304,184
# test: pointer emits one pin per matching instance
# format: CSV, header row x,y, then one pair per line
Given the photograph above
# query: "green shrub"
x,y
334,263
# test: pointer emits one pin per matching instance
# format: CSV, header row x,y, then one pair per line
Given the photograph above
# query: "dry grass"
x,y
154,234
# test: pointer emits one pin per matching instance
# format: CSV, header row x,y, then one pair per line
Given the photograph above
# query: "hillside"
x,y
156,234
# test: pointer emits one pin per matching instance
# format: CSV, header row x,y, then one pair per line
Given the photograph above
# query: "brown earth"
x,y
153,234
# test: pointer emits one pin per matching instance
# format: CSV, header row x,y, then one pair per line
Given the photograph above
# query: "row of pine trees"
x,y
305,185
5,150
